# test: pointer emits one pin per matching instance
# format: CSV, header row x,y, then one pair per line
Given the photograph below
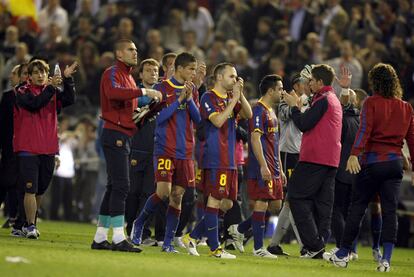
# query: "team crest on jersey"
x,y
183,106
222,189
134,162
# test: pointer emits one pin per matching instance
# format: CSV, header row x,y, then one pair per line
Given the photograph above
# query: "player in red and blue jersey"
x,y
264,173
174,141
219,109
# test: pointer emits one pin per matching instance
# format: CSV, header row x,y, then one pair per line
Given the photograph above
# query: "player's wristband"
x,y
144,91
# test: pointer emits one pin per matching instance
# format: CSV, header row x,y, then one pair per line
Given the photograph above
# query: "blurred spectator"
x,y
48,45
347,60
389,22
88,57
229,22
310,50
87,7
261,8
190,45
263,40
332,44
21,56
335,17
83,33
216,53
199,20
87,164
362,23
241,63
109,23
301,21
231,45
152,43
62,184
125,30
25,33
53,13
10,42
171,33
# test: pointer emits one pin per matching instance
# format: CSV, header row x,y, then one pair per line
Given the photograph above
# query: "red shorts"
x,y
258,189
176,172
199,180
220,183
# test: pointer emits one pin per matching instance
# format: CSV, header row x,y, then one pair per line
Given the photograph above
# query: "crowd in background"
x,y
259,37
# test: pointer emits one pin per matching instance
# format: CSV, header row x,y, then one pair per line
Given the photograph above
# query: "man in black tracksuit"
x,y
343,179
8,163
142,168
311,187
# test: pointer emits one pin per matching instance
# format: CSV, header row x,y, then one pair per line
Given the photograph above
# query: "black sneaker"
x,y
9,223
125,246
276,250
105,245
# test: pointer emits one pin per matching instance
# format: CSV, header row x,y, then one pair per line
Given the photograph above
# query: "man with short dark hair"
x,y
173,152
142,149
264,168
311,187
118,101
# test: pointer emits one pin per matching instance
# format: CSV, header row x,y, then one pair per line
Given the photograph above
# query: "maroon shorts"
x,y
176,172
259,189
220,183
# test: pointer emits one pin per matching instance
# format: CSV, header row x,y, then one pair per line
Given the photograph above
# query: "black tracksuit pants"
x,y
311,196
116,148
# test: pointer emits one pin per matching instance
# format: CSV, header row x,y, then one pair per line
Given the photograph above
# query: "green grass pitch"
x,y
64,250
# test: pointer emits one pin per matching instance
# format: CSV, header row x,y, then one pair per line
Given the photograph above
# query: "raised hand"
x,y
345,78
200,74
69,70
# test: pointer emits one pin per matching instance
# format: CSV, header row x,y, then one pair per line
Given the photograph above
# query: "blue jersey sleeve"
x,y
258,122
207,107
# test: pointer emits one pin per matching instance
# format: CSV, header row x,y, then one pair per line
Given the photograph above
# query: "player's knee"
x,y
176,196
274,206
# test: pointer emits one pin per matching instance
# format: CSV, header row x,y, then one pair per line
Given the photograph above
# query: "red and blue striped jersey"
x,y
264,121
384,124
219,144
174,131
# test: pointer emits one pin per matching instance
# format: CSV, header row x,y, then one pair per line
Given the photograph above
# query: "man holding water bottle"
x,y
35,133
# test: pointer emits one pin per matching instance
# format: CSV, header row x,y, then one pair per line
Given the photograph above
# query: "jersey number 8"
x,y
223,180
